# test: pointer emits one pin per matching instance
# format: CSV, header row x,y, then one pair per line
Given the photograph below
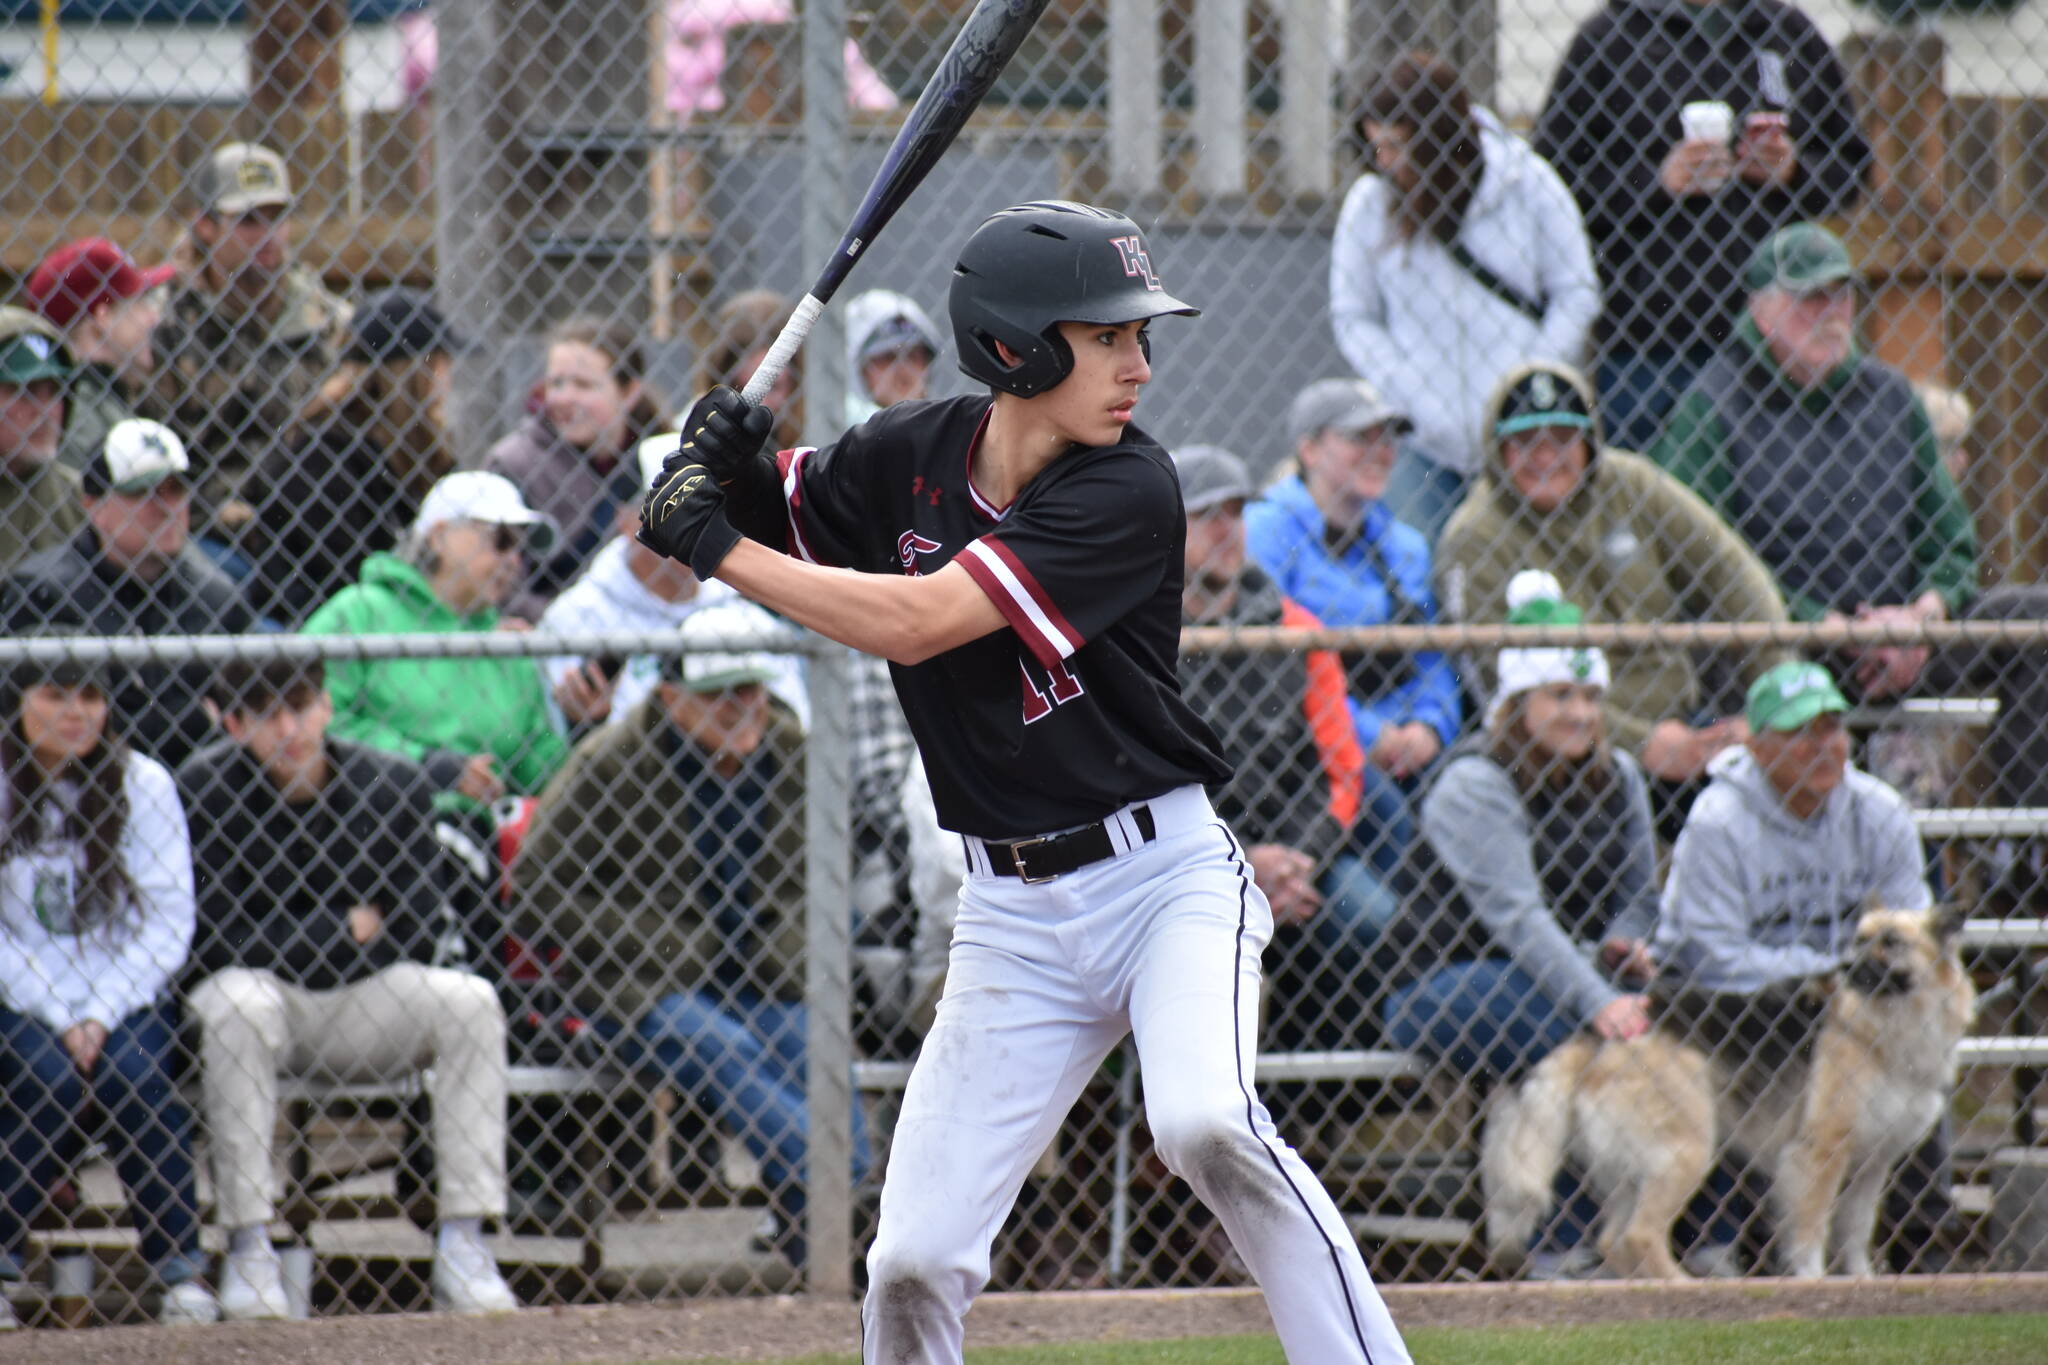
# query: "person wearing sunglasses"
x,y
481,727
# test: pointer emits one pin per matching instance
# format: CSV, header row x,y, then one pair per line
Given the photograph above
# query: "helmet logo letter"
x,y
1137,264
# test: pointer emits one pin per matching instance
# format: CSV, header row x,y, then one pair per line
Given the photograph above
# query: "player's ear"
x,y
1010,359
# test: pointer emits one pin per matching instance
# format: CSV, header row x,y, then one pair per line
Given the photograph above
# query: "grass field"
x,y
2009,1340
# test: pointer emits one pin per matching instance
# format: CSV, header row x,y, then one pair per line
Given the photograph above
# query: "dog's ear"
x,y
1946,920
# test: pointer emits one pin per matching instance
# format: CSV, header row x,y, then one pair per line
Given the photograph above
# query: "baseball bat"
x,y
977,55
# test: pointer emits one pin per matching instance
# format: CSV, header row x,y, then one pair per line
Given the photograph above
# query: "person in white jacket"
x,y
630,587
96,918
1463,257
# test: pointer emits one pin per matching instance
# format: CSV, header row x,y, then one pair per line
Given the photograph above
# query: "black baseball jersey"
x,y
1074,710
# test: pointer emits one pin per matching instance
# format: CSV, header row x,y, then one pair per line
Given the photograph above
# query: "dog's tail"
x,y
1528,1130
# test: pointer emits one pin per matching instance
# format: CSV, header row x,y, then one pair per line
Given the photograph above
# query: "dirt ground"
x,y
771,1329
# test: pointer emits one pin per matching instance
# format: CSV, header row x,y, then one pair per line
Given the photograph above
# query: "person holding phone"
x,y
627,586
1674,203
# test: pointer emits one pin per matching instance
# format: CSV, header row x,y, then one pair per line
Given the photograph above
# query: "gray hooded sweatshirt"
x,y
872,316
1487,839
1757,896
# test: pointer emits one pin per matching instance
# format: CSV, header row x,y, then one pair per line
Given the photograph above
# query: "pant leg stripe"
x,y
1244,881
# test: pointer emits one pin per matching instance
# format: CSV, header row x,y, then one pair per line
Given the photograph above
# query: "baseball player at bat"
x,y
1017,559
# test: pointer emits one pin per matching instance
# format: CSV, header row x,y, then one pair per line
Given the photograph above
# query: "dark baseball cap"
x,y
1342,405
392,324
1799,258
1210,476
1542,398
80,276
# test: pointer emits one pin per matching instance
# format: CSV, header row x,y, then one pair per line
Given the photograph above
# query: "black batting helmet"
x,y
1029,268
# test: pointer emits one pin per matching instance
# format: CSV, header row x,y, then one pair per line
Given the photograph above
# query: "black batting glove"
x,y
725,433
684,517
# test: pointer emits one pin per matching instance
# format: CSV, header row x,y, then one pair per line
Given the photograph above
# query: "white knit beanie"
x,y
1536,599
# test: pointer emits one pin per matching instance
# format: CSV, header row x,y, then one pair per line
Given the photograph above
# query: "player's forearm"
x,y
900,619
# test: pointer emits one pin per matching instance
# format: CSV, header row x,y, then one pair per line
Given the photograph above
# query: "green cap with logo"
x,y
1790,695
27,357
1798,258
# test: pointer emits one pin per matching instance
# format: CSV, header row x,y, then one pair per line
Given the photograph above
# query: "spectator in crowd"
x,y
573,459
743,329
108,308
479,726
630,587
1783,852
1536,884
38,495
1462,257
247,335
1629,543
131,570
317,901
95,920
351,473
1285,725
1330,544
1822,458
666,862
890,346
1689,132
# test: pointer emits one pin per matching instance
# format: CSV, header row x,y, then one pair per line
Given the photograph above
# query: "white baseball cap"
x,y
137,455
716,670
479,495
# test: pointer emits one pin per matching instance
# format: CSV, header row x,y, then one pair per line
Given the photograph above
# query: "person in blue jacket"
x,y
1329,542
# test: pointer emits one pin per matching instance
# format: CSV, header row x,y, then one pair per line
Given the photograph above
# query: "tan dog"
x,y
1828,1118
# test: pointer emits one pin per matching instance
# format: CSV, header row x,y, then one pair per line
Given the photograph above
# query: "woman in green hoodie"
x,y
481,727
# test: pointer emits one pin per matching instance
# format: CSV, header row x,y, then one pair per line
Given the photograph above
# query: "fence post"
x,y
1134,116
470,211
1307,70
828,978
1220,103
826,150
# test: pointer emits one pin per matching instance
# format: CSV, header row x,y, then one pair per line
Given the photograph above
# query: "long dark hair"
x,y
1536,773
1425,96
618,343
99,821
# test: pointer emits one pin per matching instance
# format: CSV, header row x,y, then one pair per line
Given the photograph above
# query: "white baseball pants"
x,y
1161,942
254,1025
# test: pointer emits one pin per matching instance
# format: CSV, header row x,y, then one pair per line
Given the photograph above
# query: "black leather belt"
x,y
1040,860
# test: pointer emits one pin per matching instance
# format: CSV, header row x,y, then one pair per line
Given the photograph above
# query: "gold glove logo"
x,y
686,482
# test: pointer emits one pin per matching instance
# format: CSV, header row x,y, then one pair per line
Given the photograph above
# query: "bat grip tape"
x,y
786,342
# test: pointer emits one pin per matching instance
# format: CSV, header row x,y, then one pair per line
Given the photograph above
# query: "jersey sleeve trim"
x,y
1024,604
792,467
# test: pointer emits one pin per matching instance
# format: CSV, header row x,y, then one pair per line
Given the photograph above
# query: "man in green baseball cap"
x,y
1823,459
1796,734
38,496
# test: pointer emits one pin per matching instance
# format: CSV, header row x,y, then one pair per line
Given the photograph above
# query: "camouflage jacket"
x,y
233,389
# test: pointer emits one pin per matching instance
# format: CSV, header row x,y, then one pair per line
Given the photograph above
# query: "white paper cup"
x,y
1707,121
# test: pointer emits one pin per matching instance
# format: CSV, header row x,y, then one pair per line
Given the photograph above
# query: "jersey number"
x,y
1060,687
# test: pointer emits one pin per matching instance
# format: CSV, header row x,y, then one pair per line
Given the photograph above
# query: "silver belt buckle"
x,y
1024,873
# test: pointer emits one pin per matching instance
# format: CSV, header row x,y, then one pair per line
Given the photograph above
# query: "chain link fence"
x,y
408,958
